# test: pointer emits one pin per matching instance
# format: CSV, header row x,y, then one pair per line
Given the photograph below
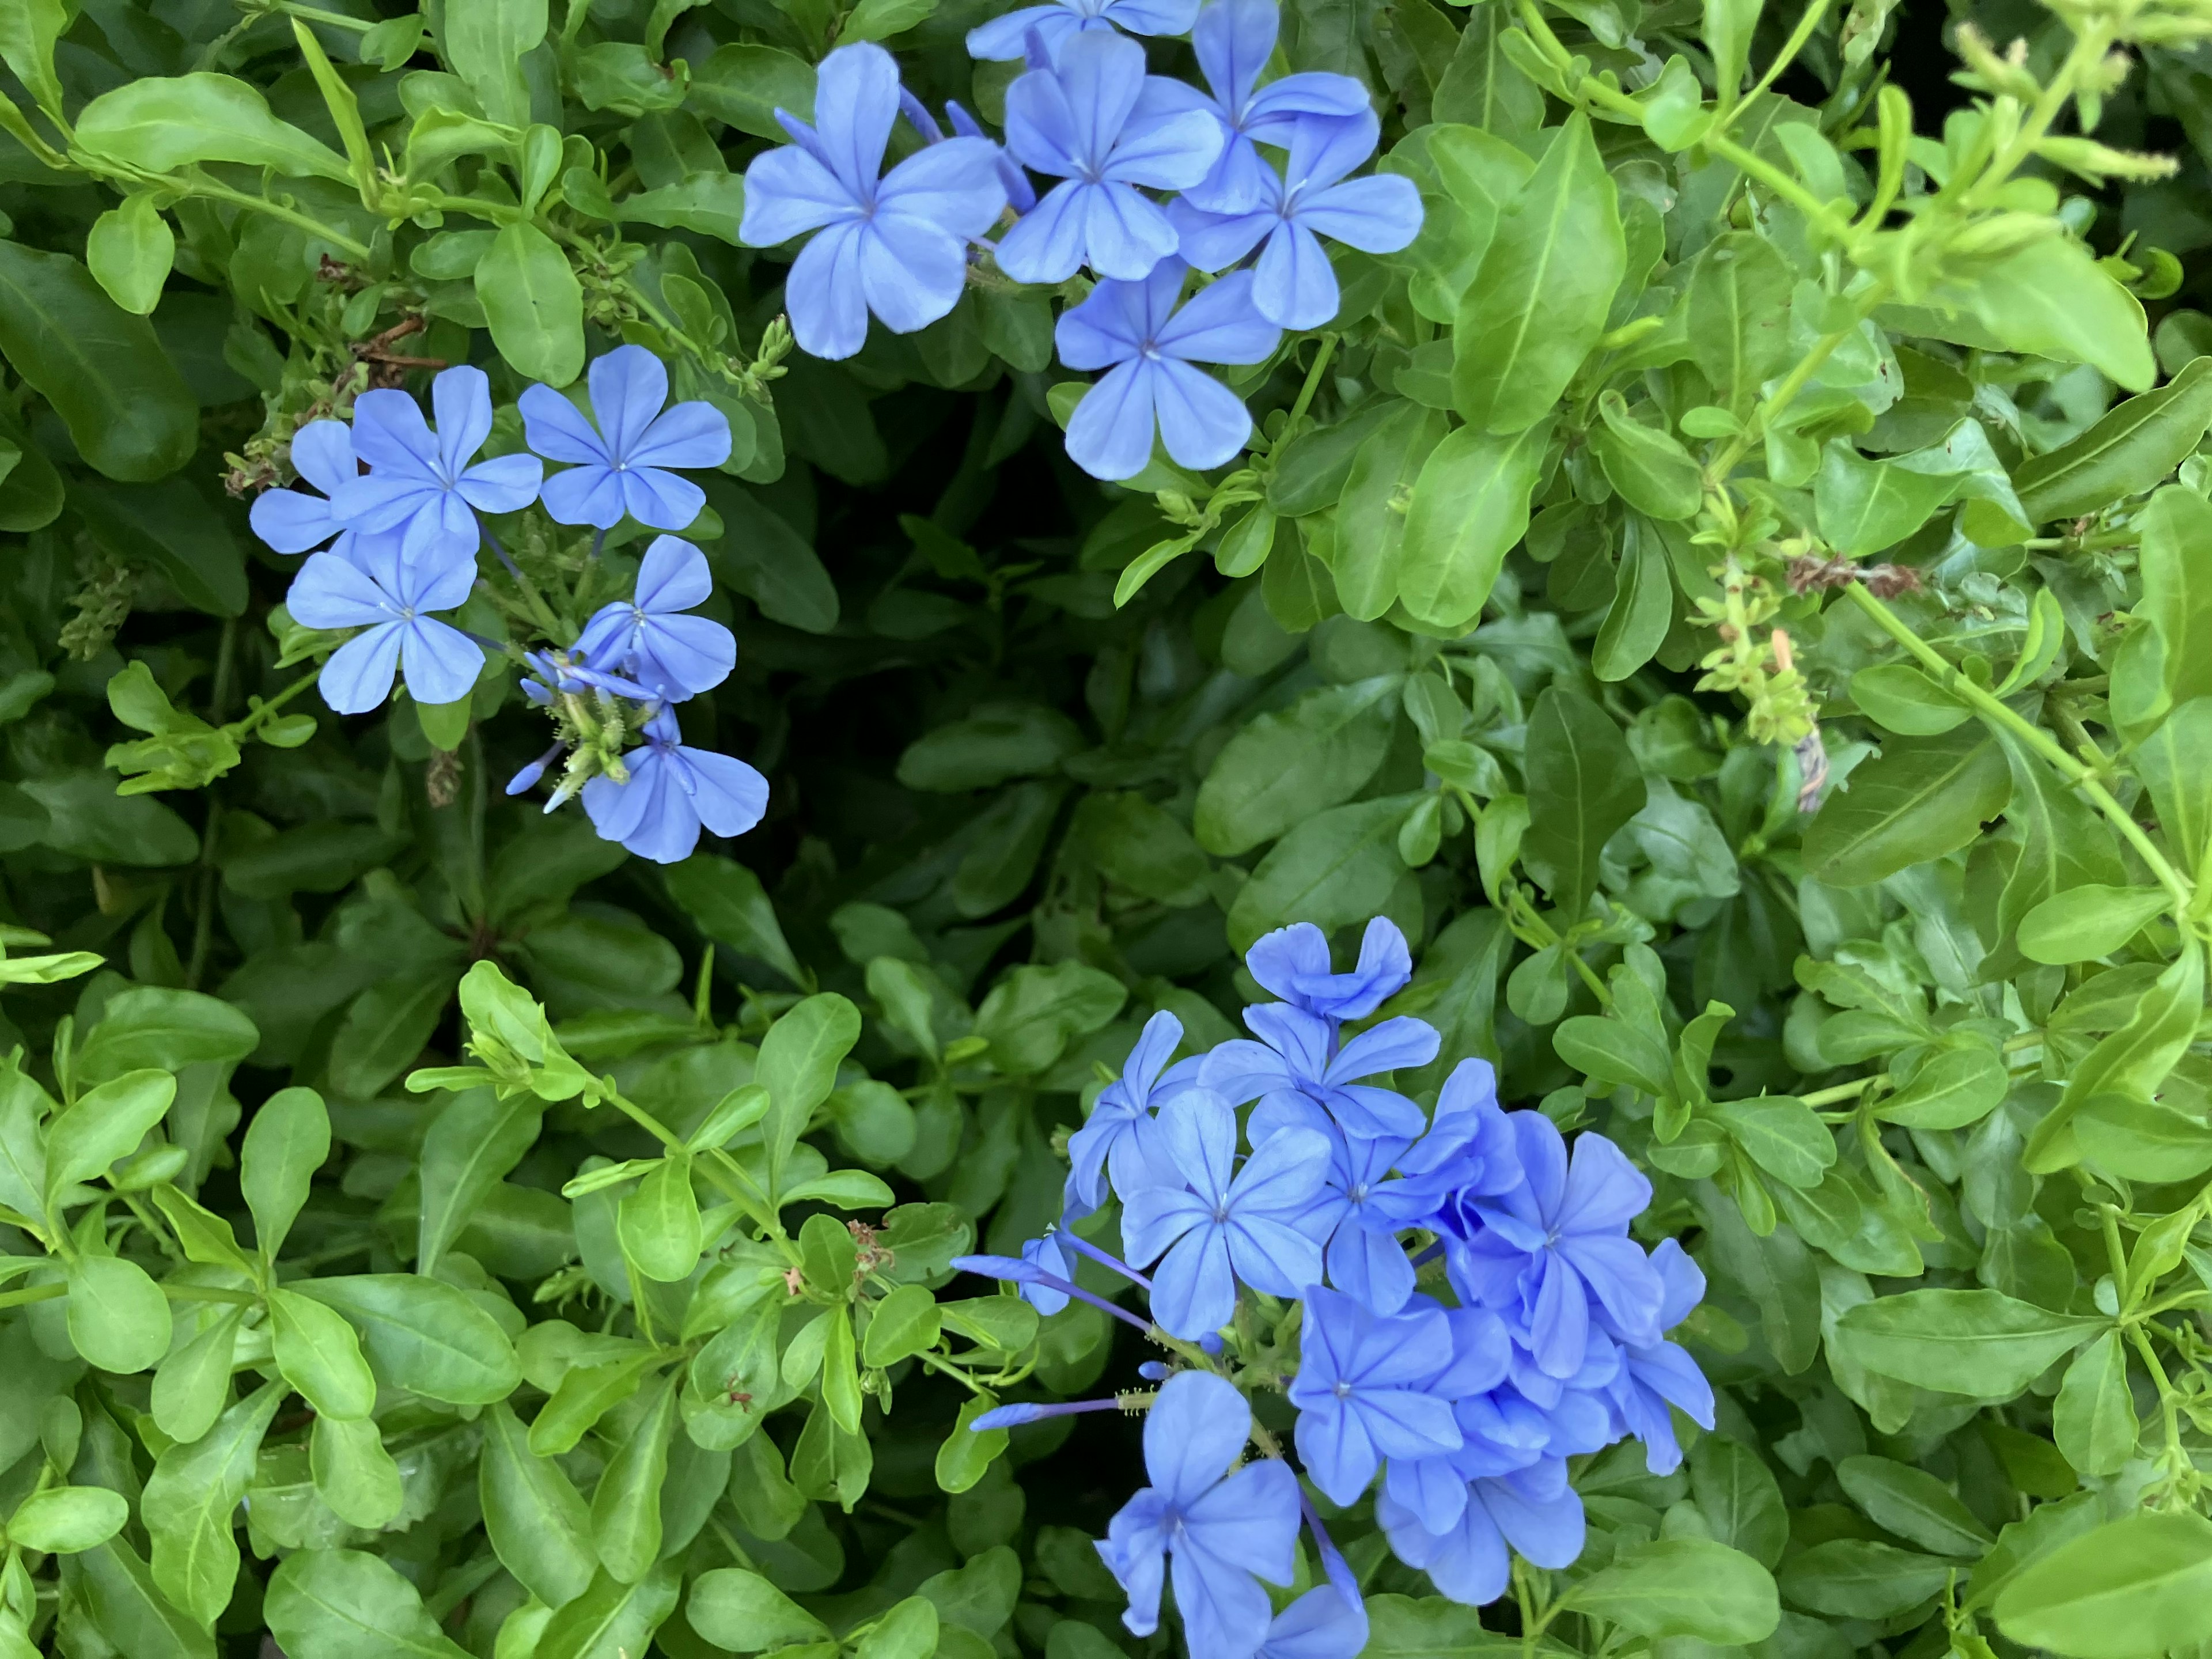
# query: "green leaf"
x,y
118,1319
659,1222
1646,464
66,1520
1953,1088
2134,1587
1913,1505
424,1335
1917,801
191,1505
471,1144
105,1124
532,300
612,1618
1642,608
2084,923
1335,869
1862,1578
485,42
744,85
1979,1343
119,1592
1739,315
2053,299
1539,300
1782,1134
1682,1586
1898,697
995,743
1738,1496
319,1354
2132,1061
2134,448
539,1526
103,370
2169,762
346,1604
626,1504
904,1322
1584,785
2094,1418
1033,1014
798,1066
966,1454
354,1474
744,1613
128,252
1470,507
909,1630
286,1143
159,125
1371,513
732,908
1281,768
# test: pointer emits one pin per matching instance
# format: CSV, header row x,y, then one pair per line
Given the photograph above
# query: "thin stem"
x,y
1997,712
1783,59
1312,383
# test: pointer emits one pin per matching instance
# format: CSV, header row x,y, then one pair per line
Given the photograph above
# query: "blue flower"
x,y
567,671
422,485
1228,1224
1051,1255
672,655
389,597
896,246
1112,1137
1293,284
1098,122
291,520
1328,1621
622,462
673,790
1544,1249
1656,1375
1361,1390
1533,1509
1223,1524
1136,330
1293,963
1004,38
1469,1153
1297,1054
1233,40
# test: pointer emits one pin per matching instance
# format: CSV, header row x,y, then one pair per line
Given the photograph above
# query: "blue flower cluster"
x,y
900,245
1538,1335
399,542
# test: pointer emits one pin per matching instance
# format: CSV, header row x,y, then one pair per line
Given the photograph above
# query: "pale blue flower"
x,y
895,244
1006,38
672,793
293,522
390,597
673,655
427,486
621,464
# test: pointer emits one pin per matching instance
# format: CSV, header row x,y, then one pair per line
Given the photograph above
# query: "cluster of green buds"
x,y
1761,669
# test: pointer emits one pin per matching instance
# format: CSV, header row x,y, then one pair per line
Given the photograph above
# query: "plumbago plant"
x,y
1475,733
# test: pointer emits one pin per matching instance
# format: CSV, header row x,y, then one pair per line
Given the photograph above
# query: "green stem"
x,y
335,20
1313,384
251,721
204,186
1783,59
1996,713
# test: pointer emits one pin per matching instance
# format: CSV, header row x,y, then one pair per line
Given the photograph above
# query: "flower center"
x,y
1221,1213
1342,1390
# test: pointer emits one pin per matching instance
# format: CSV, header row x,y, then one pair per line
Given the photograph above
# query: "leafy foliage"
x,y
1734,592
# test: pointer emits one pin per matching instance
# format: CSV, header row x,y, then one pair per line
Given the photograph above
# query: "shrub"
x,y
1463,748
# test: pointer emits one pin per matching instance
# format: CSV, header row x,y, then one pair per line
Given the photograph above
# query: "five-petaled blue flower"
x,y
896,246
1293,963
622,463
291,520
1223,1524
1135,331
673,790
1233,40
1228,1224
1293,284
1362,1391
1113,1135
1656,1375
1099,123
1547,1245
673,655
423,485
1004,38
389,596
1297,1054
1533,1509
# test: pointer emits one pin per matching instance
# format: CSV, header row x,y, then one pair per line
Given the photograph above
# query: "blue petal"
x,y
1004,38
956,186
1193,1288
390,434
322,453
505,483
683,656
329,591
556,429
1293,284
1220,325
788,193
822,295
460,399
693,435
358,676
291,521
856,101
628,386
664,501
1194,1434
1380,214
911,270
1233,40
1110,435
442,663
1202,423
